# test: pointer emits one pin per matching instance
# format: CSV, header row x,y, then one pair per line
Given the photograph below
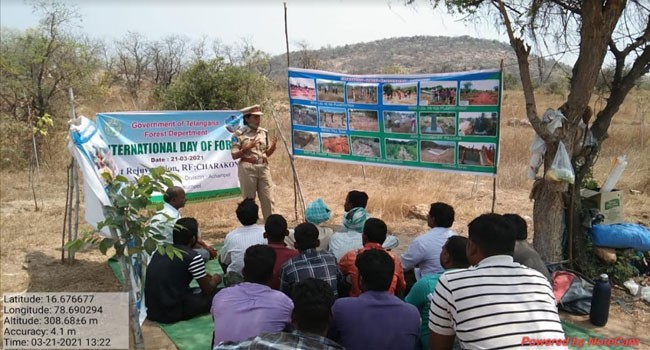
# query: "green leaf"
x,y
121,178
169,250
178,253
71,244
150,245
105,244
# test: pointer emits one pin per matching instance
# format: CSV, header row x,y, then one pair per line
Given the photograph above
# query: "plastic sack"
x,y
621,236
561,169
553,119
537,148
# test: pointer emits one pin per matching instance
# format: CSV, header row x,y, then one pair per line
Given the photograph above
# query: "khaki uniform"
x,y
254,171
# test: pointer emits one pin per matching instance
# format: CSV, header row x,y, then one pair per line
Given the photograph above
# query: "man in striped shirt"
x,y
497,303
167,293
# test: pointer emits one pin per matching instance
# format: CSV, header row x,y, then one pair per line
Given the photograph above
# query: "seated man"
x,y
495,303
168,296
310,263
349,237
275,231
312,300
376,319
251,308
374,234
524,253
452,257
316,213
164,220
238,240
424,251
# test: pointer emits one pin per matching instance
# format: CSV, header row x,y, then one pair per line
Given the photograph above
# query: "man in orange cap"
x,y
251,146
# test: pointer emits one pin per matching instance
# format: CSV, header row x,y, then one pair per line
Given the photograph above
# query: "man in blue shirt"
x,y
376,319
453,256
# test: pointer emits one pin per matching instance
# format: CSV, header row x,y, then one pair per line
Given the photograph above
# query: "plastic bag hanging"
x,y
561,169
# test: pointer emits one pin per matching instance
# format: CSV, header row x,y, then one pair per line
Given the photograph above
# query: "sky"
x,y
318,22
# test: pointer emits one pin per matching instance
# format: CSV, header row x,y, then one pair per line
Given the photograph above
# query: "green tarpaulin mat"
x,y
194,334
576,334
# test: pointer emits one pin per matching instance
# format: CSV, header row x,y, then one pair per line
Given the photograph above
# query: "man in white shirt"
x,y
424,251
238,240
165,219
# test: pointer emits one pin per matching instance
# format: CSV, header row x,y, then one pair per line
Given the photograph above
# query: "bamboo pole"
x,y
298,199
66,213
496,158
296,180
75,179
286,35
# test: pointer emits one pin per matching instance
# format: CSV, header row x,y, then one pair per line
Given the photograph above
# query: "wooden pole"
x,y
286,34
298,198
65,214
75,178
298,189
494,179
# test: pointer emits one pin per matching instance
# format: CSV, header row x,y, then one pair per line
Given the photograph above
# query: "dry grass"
x,y
31,240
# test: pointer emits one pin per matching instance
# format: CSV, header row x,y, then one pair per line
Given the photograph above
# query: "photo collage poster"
x,y
447,122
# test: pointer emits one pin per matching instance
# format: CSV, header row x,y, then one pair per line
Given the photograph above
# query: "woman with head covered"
x,y
317,213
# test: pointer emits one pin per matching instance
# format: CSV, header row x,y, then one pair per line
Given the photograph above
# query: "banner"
x,y
94,158
193,144
446,122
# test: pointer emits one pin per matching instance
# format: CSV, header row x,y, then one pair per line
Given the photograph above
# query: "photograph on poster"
x,y
479,92
400,94
330,90
335,143
402,149
333,118
399,122
438,93
302,88
362,93
476,153
438,123
306,140
304,115
366,146
441,152
478,123
363,120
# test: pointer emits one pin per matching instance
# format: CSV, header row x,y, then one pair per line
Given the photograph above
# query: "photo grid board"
x,y
445,122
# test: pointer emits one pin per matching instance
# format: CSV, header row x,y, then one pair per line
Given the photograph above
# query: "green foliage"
x,y
42,125
214,84
588,181
37,66
131,215
618,273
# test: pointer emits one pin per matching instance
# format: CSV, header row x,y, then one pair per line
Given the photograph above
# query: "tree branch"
x,y
621,86
567,7
522,51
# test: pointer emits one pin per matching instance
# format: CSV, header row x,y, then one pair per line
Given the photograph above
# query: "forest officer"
x,y
251,146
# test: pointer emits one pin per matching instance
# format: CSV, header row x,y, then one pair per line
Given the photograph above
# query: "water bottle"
x,y
600,299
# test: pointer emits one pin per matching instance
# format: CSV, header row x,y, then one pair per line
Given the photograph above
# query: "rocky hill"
x,y
412,55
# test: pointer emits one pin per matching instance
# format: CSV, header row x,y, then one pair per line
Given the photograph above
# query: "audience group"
x,y
315,287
